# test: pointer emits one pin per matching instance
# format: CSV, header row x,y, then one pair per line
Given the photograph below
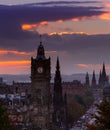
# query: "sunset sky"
x,y
78,31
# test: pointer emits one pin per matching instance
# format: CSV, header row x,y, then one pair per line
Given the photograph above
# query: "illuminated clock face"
x,y
40,70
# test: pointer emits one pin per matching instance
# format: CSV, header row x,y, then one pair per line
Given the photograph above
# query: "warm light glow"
x,y
14,52
75,19
65,33
105,16
60,21
7,63
93,66
53,33
83,18
106,4
82,65
44,23
28,26
15,67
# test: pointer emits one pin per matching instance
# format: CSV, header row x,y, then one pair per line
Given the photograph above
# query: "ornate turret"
x,y
87,83
93,80
40,52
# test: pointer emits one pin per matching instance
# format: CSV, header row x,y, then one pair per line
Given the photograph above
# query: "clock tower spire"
x,y
40,51
40,100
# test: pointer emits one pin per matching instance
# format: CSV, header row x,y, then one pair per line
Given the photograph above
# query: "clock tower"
x,y
40,100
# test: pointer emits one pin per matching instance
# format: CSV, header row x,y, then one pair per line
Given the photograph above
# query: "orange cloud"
x,y
33,26
7,63
59,21
15,67
44,23
80,18
105,16
82,65
106,4
13,52
63,33
28,26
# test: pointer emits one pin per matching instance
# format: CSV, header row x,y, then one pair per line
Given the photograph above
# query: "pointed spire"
x,y
40,51
104,76
93,79
58,65
87,75
57,74
40,39
100,78
103,70
87,83
93,74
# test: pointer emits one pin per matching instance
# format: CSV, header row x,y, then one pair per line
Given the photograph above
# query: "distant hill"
x,y
8,78
26,78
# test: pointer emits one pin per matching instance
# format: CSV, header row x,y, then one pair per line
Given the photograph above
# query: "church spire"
x,y
104,76
103,71
40,51
93,79
87,83
100,78
58,65
40,39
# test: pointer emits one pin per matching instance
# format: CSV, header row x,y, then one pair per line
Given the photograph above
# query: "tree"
x,y
102,117
4,120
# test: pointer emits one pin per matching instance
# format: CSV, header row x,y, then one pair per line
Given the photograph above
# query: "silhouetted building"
x,y
40,100
59,103
87,82
100,78
93,80
106,92
103,78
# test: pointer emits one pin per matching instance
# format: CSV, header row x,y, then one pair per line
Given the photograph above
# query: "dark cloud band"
x,y
12,17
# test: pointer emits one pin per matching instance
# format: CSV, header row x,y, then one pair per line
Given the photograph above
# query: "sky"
x,y
78,31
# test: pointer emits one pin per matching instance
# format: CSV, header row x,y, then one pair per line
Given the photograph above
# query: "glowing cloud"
x,y
2,52
105,16
65,33
106,4
7,63
93,66
60,21
14,67
44,23
83,18
28,26
82,65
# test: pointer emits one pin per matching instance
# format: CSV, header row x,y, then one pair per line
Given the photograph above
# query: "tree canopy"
x,y
4,120
102,117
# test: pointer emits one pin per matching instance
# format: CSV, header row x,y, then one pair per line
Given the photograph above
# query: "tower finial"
x,y
58,65
40,50
40,39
